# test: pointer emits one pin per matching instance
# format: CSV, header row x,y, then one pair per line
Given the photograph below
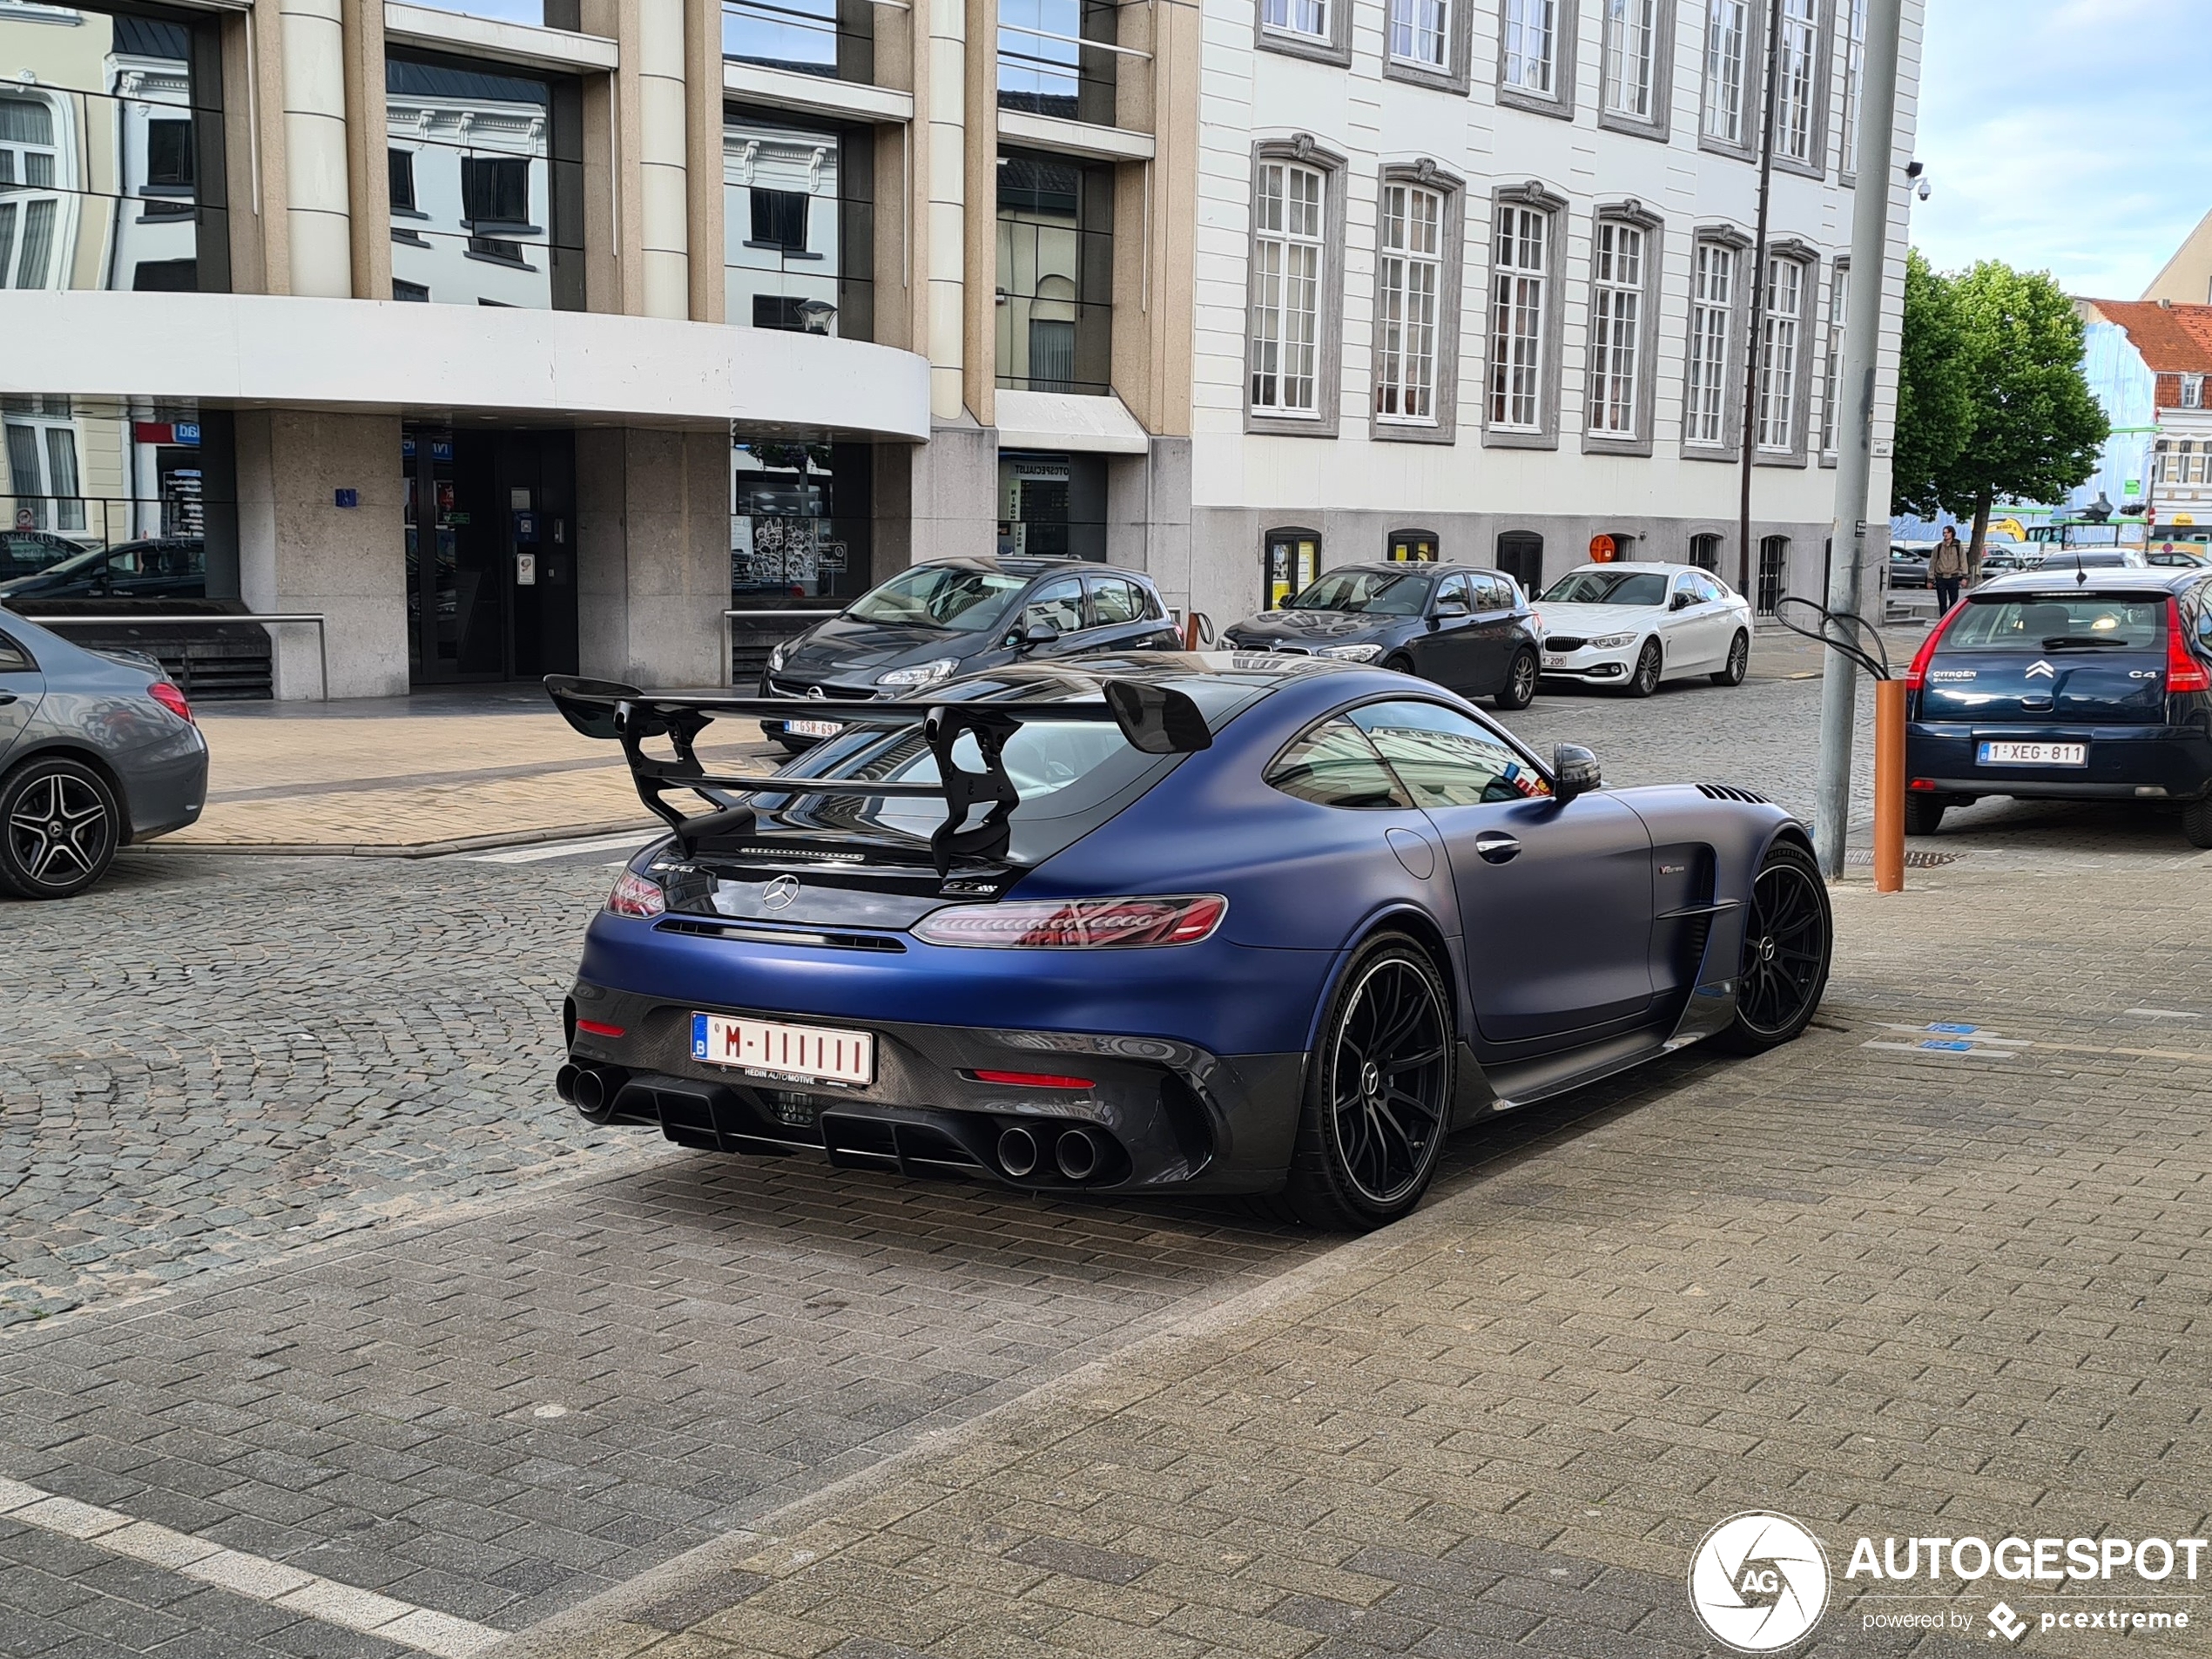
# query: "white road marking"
x,y
537,855
255,1577
2164,1014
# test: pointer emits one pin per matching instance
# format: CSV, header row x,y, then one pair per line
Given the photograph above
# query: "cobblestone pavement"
x,y
455,1348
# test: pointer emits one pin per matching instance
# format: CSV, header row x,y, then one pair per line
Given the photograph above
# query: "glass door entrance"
x,y
490,554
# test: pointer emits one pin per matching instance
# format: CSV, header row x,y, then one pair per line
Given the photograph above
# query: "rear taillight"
x,y
1030,1079
634,896
1917,676
1076,924
171,698
2183,671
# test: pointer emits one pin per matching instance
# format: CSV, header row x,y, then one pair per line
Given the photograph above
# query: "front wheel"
x,y
1377,1092
1739,661
1519,689
59,827
1402,663
1789,936
1645,680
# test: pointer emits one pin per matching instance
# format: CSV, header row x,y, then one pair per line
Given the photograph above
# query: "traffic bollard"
x,y
1889,786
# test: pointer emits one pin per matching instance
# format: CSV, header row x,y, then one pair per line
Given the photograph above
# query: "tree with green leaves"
x,y
1992,402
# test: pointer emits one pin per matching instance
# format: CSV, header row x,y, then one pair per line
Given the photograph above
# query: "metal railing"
x,y
268,619
729,630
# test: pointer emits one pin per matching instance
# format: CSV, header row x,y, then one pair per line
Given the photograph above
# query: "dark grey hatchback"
x,y
957,616
1460,625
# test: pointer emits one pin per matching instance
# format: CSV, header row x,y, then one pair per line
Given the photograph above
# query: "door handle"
x,y
6,698
1495,847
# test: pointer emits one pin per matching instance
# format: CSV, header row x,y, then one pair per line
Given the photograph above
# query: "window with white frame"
x,y
1419,33
1287,255
1786,298
1796,50
1728,35
2161,454
1631,29
31,206
1520,270
1854,81
2192,391
1616,326
1712,300
1298,16
1832,424
1532,46
1408,280
42,462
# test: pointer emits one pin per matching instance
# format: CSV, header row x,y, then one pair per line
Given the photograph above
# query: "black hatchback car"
x,y
933,621
1457,624
2067,685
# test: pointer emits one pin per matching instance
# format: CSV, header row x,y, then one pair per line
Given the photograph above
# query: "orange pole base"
x,y
1889,786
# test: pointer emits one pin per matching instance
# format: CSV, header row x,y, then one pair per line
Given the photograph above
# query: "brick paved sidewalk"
x,y
1880,1288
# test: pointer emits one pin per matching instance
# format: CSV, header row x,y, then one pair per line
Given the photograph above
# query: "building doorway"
x,y
1774,573
1520,556
1290,559
1413,547
490,554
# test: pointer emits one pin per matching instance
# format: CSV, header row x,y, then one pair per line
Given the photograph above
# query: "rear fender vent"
x,y
1728,792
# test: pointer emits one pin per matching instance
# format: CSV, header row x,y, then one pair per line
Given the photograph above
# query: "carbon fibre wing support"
x,y
1154,719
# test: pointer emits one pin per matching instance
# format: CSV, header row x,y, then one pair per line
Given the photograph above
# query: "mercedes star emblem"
x,y
778,894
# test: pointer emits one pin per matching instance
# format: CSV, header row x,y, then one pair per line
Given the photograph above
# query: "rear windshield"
x,y
940,595
2051,622
1383,593
1610,588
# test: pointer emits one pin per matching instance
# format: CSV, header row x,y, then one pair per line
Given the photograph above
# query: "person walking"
x,y
1947,569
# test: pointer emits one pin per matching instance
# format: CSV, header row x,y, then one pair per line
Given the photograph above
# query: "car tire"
x,y
1402,663
1739,661
2197,822
1519,689
1924,814
1788,938
1650,665
59,826
1374,1115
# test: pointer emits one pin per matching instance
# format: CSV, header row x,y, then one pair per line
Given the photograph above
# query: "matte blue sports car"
x,y
1187,923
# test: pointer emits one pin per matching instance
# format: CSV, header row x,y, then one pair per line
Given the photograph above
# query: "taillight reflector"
x,y
1076,924
2183,671
599,1028
1030,1079
1917,676
634,896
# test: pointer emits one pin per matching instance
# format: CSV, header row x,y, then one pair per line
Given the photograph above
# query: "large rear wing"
x,y
1156,719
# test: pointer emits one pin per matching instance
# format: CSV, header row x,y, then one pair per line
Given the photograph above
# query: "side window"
x,y
1447,759
1454,587
1335,765
1058,603
1114,600
14,659
1493,593
1708,590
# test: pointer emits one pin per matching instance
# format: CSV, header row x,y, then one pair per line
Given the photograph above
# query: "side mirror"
x,y
1682,602
1030,635
1452,605
1575,772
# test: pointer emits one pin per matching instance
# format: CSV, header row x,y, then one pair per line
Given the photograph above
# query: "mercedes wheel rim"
x,y
1784,949
57,830
1386,1081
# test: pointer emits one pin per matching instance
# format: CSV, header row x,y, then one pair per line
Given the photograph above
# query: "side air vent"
x,y
1727,791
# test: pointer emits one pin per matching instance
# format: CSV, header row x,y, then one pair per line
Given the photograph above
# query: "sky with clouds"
x,y
2065,135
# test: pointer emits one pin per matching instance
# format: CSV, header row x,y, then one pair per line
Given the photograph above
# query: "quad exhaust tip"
x,y
1018,1152
1077,1153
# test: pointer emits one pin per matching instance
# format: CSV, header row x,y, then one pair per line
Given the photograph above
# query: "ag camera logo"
x,y
1758,1582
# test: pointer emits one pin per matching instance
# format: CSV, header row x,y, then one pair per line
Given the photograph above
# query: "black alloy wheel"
x,y
1519,689
1379,1092
1400,664
1739,661
1645,680
1789,936
58,828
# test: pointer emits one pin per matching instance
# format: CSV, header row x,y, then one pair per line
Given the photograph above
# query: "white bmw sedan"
x,y
1634,625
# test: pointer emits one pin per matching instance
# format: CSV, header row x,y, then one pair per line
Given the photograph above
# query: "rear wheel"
x,y
1519,689
2197,822
1645,680
1787,937
59,827
1739,661
1924,814
1377,1092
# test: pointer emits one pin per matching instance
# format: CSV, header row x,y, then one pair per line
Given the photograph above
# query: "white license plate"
x,y
1554,662
2034,754
814,1052
812,728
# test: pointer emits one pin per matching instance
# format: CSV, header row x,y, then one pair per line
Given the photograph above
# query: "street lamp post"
x,y
1752,346
1855,443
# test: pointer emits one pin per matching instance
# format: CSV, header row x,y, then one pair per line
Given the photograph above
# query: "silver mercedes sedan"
x,y
98,750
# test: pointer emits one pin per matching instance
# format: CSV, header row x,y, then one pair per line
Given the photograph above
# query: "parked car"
x,y
26,552
1460,625
932,622
1999,557
98,750
159,567
1177,958
1909,564
2106,558
2059,684
1636,626
2178,555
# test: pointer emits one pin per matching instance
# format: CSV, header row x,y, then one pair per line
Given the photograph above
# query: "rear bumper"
x,y
2124,762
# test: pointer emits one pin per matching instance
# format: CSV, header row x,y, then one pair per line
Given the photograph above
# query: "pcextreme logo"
x,y
1758,1582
